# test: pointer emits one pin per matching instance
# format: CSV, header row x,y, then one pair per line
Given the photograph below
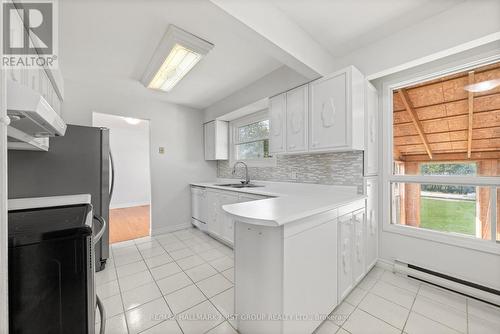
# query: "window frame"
x,y
388,175
233,141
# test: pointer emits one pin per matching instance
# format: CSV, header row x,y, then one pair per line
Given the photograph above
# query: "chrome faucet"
x,y
247,177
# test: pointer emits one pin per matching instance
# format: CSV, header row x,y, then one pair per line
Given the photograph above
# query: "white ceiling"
x,y
111,42
342,26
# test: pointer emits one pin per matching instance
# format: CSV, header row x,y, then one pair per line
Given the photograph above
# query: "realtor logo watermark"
x,y
30,34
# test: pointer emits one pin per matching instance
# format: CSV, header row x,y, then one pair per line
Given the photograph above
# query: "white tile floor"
x,y
183,282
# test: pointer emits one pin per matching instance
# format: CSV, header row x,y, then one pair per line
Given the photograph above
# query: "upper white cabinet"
x,y
277,123
326,115
336,112
297,119
371,131
216,137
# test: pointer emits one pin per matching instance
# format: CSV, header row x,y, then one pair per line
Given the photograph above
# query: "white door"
x,y
277,123
358,266
371,222
345,281
371,152
328,113
296,119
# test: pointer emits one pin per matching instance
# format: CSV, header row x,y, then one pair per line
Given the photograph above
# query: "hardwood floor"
x,y
128,223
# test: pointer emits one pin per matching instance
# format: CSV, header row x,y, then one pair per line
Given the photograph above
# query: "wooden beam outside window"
x,y
414,117
471,116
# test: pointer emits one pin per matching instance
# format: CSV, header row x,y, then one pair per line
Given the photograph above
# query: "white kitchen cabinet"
x,y
345,248
297,119
218,223
336,112
277,123
213,222
371,131
358,258
226,222
216,139
371,190
302,270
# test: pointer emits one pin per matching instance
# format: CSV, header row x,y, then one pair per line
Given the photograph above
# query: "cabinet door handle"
x,y
328,113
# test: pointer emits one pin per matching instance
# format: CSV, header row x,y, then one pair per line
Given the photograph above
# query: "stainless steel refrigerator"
x,y
77,163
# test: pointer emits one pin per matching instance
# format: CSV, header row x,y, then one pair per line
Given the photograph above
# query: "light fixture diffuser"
x,y
483,86
132,121
177,53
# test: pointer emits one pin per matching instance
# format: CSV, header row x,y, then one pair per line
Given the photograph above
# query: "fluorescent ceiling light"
x,y
177,53
483,86
132,121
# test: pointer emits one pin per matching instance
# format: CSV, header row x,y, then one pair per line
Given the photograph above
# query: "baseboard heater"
x,y
463,287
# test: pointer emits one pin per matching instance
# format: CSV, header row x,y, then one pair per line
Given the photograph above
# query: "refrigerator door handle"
x,y
99,234
112,188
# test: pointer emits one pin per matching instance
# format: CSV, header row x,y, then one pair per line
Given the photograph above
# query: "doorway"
x,y
130,204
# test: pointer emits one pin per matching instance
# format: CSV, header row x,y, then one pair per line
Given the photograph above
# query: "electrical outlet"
x,y
161,150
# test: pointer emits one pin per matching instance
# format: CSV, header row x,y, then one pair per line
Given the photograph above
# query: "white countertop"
x,y
291,202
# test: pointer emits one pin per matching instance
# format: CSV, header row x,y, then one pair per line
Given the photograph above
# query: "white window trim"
x,y
233,126
488,246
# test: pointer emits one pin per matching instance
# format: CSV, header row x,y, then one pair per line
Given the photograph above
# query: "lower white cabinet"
x,y
351,251
358,266
345,247
213,221
226,222
207,207
371,189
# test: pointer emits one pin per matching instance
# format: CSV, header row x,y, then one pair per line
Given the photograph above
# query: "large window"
x,y
250,140
446,154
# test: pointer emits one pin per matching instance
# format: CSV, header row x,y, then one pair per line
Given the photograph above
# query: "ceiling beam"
x,y
471,115
276,34
414,117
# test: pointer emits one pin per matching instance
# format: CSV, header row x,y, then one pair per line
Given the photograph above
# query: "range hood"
x,y
31,114
18,140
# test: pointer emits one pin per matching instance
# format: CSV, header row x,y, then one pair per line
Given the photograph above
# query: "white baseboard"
x,y
168,229
402,269
128,205
385,264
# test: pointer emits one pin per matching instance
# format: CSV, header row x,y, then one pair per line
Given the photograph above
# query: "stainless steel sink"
x,y
239,185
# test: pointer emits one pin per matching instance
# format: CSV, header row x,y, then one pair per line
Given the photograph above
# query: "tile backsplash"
x,y
345,168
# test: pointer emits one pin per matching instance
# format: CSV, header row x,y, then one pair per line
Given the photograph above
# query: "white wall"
x,y
274,83
177,128
129,144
